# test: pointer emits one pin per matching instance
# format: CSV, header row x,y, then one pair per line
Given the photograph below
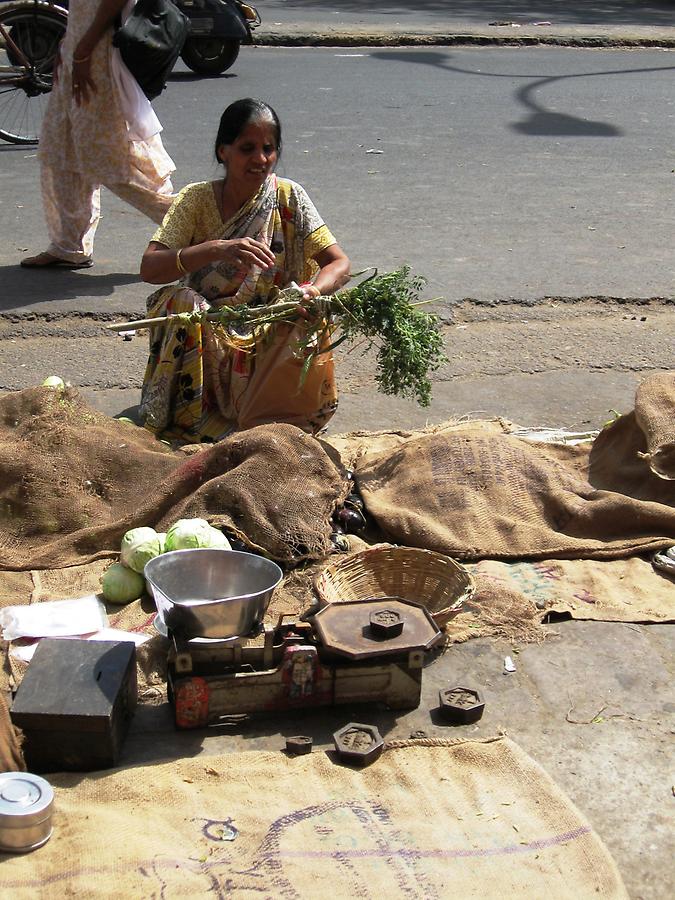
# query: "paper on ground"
x,y
26,651
54,618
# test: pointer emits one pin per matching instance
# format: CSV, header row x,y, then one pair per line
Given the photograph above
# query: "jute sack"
x,y
617,590
475,495
428,820
72,481
655,416
636,453
11,756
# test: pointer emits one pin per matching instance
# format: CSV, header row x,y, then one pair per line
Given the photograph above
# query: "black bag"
x,y
150,42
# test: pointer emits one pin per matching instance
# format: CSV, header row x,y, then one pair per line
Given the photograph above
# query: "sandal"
x,y
49,261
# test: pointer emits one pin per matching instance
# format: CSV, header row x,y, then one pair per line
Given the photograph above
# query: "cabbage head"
x,y
218,539
121,585
192,534
53,381
139,546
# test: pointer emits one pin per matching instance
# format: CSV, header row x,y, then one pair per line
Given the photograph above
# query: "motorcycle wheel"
x,y
210,55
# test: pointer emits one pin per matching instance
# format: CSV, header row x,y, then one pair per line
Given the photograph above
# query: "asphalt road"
x,y
515,180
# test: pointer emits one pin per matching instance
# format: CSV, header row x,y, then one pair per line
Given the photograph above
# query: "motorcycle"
x,y
217,30
31,30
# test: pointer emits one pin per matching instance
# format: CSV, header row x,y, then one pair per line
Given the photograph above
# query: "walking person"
x,y
99,129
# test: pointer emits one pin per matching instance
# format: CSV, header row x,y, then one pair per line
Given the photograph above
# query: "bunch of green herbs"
x,y
384,309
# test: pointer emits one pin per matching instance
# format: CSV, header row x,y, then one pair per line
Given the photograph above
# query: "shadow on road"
x,y
25,286
192,76
18,148
541,121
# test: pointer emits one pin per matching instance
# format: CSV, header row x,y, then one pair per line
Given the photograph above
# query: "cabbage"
x,y
121,585
218,539
54,381
139,546
191,534
162,540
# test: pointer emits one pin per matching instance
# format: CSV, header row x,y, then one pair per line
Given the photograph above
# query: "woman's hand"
x,y
244,253
160,264
82,82
104,18
309,291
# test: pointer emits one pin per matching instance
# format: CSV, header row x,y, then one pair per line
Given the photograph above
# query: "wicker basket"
x,y
423,576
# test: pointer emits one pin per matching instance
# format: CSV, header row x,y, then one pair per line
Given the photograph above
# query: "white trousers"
x,y
72,206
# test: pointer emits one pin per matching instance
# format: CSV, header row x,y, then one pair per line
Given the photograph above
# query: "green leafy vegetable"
x,y
410,346
383,310
192,534
139,546
121,585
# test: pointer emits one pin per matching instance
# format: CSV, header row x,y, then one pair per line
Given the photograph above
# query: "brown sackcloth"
x,y
474,494
428,820
654,415
617,590
11,757
639,442
72,481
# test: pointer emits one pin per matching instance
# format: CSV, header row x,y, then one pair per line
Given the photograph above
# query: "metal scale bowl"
x,y
209,593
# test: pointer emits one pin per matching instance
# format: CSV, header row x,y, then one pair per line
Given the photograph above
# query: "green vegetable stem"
x,y
383,310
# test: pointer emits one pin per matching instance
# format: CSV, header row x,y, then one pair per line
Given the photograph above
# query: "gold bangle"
x,y
179,263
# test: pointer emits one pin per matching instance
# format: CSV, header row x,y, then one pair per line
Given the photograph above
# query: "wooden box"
x,y
75,704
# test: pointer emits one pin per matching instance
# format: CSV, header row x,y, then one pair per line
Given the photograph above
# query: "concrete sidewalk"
x,y
463,34
343,22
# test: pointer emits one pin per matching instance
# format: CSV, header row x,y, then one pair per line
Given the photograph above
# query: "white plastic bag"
x,y
54,618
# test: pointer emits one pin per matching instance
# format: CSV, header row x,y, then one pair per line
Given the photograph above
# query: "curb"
x,y
368,38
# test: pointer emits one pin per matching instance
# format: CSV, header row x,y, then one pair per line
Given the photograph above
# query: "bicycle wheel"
x,y
30,34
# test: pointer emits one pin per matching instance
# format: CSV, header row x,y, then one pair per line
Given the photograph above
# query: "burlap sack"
x,y
72,481
11,757
464,820
655,416
618,590
636,453
475,495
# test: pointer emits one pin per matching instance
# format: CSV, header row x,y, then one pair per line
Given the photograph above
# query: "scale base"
x,y
302,681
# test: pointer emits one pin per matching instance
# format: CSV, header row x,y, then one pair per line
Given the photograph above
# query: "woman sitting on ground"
x,y
232,241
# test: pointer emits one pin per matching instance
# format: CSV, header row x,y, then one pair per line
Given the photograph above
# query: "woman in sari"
x,y
238,241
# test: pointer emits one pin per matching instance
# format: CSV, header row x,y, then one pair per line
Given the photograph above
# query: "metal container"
x,y
212,593
26,803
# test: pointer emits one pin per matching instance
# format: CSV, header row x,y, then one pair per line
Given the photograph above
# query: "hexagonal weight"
x,y
461,705
386,623
299,744
358,744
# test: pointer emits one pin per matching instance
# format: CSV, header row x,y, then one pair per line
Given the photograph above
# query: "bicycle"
x,y
30,34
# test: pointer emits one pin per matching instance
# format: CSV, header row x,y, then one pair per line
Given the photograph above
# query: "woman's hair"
x,y
240,114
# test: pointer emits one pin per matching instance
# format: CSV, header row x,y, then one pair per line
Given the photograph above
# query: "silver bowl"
x,y
212,593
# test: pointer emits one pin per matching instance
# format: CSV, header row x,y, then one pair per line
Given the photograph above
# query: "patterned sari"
x,y
202,382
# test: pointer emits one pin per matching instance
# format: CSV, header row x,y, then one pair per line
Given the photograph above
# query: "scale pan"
x,y
210,593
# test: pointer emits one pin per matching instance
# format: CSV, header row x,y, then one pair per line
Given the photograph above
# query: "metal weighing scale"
x,y
347,653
